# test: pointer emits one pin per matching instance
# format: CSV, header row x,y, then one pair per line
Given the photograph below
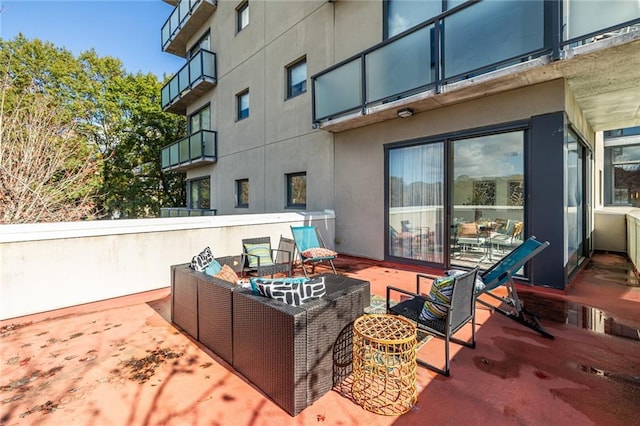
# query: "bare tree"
x,y
47,173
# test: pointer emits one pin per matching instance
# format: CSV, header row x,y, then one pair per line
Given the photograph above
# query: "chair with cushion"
x,y
311,248
448,307
468,236
260,259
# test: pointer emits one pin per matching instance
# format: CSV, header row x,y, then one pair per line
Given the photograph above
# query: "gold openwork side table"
x,y
384,364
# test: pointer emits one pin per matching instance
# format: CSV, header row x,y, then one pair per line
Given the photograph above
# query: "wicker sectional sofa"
x,y
285,351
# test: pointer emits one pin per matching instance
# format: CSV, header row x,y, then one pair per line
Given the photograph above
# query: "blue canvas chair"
x,y
501,273
308,238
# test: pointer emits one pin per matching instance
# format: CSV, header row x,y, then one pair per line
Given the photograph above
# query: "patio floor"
x,y
122,362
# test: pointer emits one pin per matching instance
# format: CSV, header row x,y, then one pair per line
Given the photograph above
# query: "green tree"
x,y
116,114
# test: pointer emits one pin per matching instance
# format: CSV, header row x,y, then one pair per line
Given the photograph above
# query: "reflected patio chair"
x,y
311,248
468,237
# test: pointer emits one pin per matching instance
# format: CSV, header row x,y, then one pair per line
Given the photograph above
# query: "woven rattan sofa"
x,y
285,351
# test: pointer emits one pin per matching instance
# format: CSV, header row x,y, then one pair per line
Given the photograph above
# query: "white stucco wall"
x,y
54,265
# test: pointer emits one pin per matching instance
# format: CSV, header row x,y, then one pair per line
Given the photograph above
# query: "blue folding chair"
x,y
307,238
501,273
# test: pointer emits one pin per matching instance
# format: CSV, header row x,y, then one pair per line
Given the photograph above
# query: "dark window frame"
x,y
204,205
239,192
289,183
240,115
289,70
198,112
242,7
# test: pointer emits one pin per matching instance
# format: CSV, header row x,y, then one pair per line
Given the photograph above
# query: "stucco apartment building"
x,y
441,132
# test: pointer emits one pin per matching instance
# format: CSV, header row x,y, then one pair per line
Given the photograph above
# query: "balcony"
x,y
185,21
198,149
185,212
193,80
481,48
95,332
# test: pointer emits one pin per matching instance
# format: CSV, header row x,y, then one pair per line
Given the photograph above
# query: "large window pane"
x,y
416,197
574,193
491,31
200,194
488,198
400,66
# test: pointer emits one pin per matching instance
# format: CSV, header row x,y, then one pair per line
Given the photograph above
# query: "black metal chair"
x,y
459,312
261,259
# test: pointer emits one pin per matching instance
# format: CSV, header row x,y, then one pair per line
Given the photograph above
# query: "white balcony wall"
x,y
56,265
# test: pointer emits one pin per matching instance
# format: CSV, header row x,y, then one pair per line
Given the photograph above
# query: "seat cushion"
x,y
260,250
318,252
227,273
292,291
441,291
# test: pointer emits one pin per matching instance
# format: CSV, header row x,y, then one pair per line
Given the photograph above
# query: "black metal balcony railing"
x,y
185,212
186,19
192,151
471,39
194,78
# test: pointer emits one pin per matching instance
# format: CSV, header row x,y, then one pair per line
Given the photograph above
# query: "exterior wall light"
x,y
405,112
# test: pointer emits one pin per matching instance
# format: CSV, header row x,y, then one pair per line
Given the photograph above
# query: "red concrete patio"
x,y
122,362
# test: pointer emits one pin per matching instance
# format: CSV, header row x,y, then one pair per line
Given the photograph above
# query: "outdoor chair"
x,y
260,259
502,272
468,236
445,318
311,248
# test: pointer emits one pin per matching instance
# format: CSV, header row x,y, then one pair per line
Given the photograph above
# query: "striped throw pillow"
x,y
441,291
261,250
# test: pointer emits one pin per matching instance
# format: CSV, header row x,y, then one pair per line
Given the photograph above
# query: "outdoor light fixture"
x,y
405,112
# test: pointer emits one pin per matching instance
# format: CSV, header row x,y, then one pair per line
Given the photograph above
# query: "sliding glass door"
x,y
416,202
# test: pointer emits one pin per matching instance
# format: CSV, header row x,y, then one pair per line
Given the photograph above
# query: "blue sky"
x,y
126,29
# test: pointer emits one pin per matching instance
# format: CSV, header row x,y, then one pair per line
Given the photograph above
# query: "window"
x,y
242,100
242,193
200,120
199,194
242,14
203,43
622,175
297,190
297,78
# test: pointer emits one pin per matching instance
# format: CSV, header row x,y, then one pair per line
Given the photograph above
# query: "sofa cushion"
x,y
202,260
227,274
292,291
260,250
213,268
318,252
441,291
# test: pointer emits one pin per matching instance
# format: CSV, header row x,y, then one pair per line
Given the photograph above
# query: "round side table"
x,y
384,364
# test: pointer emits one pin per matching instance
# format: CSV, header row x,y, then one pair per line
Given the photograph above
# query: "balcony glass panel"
x,y
183,79
209,139
173,88
404,14
585,17
174,153
166,98
401,66
184,150
195,143
339,90
195,68
208,64
490,32
166,162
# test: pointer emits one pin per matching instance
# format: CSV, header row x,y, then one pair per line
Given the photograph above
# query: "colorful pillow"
x,y
441,291
213,268
202,260
227,274
318,252
479,286
260,250
292,291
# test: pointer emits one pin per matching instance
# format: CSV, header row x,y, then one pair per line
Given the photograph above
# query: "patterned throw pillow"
x,y
227,274
202,260
318,252
293,291
213,268
441,291
479,284
261,250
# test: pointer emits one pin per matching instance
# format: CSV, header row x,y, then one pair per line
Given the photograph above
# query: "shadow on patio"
x,y
122,362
